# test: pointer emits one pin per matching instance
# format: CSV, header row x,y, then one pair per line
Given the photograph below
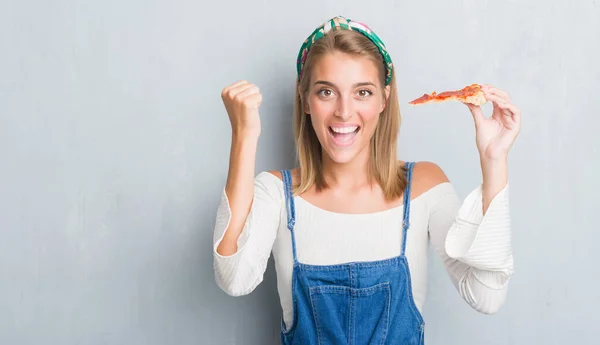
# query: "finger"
x,y
253,101
507,120
233,86
489,89
243,90
517,117
497,100
238,83
249,91
507,107
502,111
476,112
512,114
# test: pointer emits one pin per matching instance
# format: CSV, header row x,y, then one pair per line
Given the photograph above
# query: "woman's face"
x,y
344,101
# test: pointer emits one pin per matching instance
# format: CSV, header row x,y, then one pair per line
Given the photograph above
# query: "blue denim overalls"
x,y
355,303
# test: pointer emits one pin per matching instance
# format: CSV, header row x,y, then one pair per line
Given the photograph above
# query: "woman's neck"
x,y
350,175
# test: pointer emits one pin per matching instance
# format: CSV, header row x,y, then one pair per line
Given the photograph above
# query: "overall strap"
x,y
406,216
291,211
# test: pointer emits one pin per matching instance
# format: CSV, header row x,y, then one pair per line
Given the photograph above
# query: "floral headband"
x,y
345,24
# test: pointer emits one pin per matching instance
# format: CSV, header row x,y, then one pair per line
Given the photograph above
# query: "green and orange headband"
x,y
340,22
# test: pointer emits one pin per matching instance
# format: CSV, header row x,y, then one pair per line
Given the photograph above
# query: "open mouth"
x,y
343,136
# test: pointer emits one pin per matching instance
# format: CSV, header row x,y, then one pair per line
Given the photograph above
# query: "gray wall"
x,y
114,150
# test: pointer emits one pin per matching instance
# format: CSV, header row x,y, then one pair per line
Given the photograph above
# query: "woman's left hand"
x,y
496,134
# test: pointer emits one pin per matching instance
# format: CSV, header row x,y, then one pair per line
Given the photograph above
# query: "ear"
x,y
387,95
306,105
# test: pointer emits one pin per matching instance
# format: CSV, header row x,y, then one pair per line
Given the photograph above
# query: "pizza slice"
x,y
470,94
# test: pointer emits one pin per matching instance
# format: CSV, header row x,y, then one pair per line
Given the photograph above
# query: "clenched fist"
x,y
242,101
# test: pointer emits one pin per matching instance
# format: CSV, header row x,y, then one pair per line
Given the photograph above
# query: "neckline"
x,y
366,214
344,214
376,213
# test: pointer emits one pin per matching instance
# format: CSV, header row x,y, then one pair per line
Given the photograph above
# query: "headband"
x,y
344,24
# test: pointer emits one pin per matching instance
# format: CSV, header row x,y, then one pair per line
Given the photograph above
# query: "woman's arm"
x,y
495,179
494,137
248,215
239,189
239,272
242,100
474,238
475,248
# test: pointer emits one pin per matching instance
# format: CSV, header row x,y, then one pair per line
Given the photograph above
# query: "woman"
x,y
350,227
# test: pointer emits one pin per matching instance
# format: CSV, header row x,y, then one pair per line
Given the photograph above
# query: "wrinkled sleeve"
x,y
240,273
475,248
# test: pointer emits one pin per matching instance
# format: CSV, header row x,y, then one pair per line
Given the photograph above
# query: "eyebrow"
x,y
328,83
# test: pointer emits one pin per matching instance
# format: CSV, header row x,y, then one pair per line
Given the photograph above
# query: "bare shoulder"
x,y
427,175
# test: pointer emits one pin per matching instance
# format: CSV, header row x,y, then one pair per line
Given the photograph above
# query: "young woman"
x,y
349,228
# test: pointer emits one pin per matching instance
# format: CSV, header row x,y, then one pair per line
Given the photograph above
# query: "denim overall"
x,y
355,303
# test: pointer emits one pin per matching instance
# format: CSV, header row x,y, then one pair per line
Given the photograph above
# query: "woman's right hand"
x,y
242,101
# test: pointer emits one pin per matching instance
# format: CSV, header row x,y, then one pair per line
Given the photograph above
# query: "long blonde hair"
x,y
384,167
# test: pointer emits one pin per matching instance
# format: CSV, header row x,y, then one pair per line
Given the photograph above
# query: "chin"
x,y
341,157
346,152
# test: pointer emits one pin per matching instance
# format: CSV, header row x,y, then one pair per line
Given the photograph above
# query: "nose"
x,y
344,108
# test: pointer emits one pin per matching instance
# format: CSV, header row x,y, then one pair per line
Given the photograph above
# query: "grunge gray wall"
x,y
114,150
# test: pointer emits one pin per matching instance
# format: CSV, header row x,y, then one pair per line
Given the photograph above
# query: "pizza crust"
x,y
477,99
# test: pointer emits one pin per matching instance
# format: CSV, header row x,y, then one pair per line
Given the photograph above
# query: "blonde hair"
x,y
384,167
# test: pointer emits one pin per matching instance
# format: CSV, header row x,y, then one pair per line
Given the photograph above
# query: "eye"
x,y
365,93
325,92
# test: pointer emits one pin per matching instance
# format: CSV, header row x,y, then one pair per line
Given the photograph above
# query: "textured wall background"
x,y
114,150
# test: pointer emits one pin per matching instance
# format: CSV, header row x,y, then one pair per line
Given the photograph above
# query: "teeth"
x,y
344,130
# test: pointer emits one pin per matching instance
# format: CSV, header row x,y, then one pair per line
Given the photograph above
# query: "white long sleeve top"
x,y
474,248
